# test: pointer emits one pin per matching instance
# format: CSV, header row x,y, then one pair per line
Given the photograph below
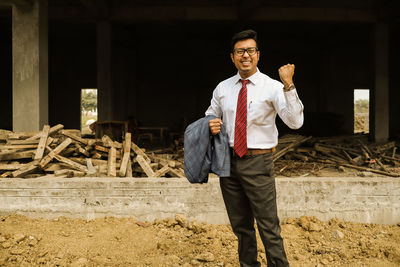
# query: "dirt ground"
x,y
178,242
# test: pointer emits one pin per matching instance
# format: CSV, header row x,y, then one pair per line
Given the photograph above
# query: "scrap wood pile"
x,y
347,151
64,153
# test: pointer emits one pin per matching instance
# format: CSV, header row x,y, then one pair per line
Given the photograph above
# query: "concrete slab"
x,y
368,200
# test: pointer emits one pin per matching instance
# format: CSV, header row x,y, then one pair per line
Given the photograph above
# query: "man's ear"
x,y
232,58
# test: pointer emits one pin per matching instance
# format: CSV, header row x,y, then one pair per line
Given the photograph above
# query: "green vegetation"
x,y
88,108
361,106
89,100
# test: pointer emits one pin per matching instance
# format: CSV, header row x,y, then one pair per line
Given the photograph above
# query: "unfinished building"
x,y
159,61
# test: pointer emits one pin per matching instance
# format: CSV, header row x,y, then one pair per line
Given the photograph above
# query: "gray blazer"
x,y
204,153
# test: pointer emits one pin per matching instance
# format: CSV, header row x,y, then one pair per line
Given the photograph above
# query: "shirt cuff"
x,y
291,95
292,98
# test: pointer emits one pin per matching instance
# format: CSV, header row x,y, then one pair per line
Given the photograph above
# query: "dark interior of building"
x,y
164,65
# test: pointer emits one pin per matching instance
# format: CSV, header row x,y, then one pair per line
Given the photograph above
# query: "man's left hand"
x,y
286,73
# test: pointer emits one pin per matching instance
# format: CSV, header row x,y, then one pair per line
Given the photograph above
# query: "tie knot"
x,y
244,82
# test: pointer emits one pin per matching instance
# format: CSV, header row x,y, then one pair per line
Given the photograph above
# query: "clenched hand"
x,y
215,126
286,73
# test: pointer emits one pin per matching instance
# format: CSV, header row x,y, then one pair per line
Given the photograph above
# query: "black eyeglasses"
x,y
251,51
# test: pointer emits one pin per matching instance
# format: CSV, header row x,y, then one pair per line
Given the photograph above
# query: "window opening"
x,y
88,110
361,110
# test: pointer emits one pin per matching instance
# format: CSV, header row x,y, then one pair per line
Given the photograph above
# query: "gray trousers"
x,y
249,193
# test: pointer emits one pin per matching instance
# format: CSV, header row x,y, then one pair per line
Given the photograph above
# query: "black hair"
x,y
243,35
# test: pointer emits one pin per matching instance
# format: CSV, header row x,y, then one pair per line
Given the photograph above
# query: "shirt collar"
x,y
253,78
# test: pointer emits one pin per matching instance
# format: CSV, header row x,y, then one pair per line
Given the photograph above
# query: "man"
x,y
248,103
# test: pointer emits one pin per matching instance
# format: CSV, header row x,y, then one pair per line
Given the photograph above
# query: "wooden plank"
x,y
21,135
17,155
71,163
52,167
176,173
49,141
363,146
9,151
105,151
371,170
154,165
349,158
172,163
101,148
145,166
68,152
23,142
140,152
81,150
108,142
333,157
381,165
126,155
27,169
384,147
129,169
106,139
283,151
337,147
391,158
42,142
54,152
56,128
74,137
299,156
162,171
6,174
17,147
69,173
11,167
327,150
96,162
111,165
96,156
52,130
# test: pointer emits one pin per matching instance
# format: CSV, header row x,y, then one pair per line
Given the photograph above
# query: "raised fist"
x,y
286,73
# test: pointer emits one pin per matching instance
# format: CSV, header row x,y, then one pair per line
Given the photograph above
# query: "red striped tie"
x,y
240,145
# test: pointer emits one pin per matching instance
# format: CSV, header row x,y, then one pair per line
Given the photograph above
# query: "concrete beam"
x,y
232,13
381,94
229,13
16,2
97,8
30,66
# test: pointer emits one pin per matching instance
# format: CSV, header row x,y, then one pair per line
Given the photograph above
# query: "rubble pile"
x,y
342,152
64,153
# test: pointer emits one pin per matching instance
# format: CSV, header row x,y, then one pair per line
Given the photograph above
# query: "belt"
x,y
255,151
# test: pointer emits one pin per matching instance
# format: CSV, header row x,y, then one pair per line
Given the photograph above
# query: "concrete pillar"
x,y
30,65
381,99
104,77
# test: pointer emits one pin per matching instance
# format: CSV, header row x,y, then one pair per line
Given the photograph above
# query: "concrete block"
x,y
369,200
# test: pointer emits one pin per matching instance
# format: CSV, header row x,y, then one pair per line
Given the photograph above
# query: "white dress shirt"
x,y
265,99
